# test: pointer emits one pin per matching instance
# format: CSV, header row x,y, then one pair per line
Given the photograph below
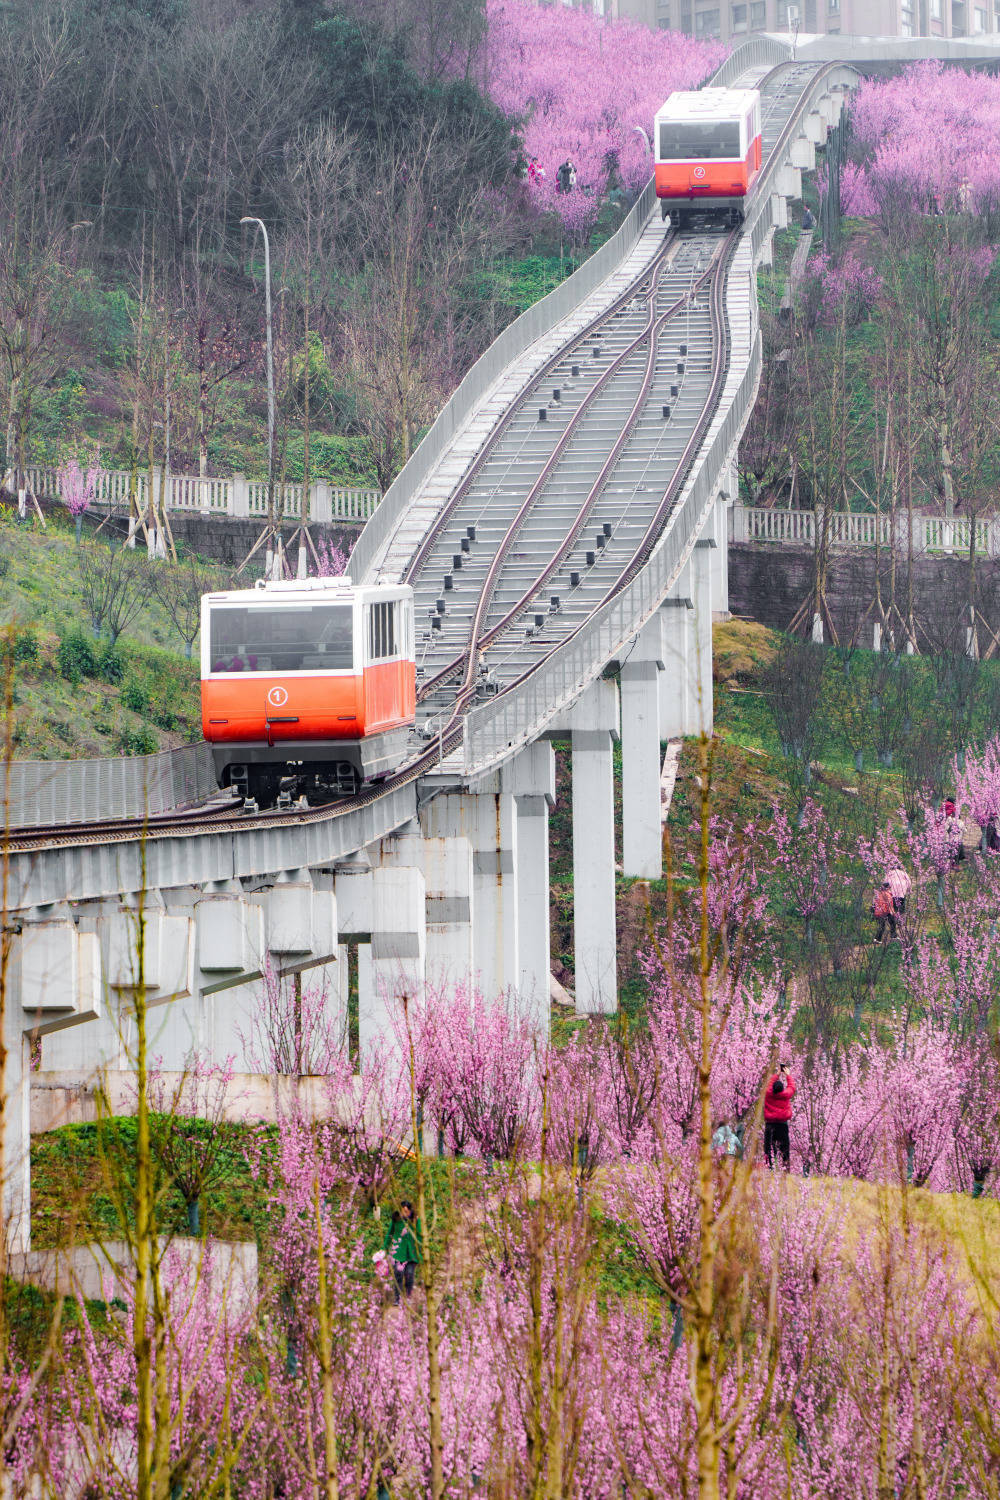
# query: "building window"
x,y
739,18
758,15
833,6
979,24
707,23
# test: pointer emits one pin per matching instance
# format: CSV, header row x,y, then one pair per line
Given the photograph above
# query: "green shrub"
x,y
25,646
111,664
135,695
161,714
140,741
18,646
76,656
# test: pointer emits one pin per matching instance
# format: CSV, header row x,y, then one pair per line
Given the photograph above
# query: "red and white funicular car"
x,y
306,687
708,152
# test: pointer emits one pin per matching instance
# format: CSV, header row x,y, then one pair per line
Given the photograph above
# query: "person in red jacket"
x,y
777,1113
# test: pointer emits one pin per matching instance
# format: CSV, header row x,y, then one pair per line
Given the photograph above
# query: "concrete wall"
x,y
224,540
768,584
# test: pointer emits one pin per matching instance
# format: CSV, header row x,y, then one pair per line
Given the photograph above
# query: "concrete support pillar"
x,y
700,661
449,895
53,981
488,819
594,935
532,778
230,942
720,558
593,723
395,961
677,625
642,665
642,852
16,1142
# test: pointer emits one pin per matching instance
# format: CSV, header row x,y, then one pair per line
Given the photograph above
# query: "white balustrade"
x,y
189,494
856,529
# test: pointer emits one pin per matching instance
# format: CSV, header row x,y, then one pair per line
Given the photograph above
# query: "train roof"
x,y
711,104
310,590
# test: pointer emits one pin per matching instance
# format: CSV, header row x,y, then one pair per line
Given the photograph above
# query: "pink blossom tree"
x,y
582,85
78,488
931,133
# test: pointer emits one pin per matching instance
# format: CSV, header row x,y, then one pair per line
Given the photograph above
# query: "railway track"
x,y
616,445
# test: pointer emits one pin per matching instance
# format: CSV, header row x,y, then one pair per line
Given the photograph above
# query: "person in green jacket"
x,y
403,1244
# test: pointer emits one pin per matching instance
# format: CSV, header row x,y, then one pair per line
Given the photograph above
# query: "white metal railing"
x,y
756,524
759,52
189,494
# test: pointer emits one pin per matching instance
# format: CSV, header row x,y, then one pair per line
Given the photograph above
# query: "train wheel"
x,y
264,784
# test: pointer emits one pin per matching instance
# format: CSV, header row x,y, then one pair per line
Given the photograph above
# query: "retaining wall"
x,y
769,584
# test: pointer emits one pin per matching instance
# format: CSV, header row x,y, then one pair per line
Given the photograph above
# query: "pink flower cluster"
x,y
932,133
581,85
848,288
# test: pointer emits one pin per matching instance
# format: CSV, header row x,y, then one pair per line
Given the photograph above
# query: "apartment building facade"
x,y
734,20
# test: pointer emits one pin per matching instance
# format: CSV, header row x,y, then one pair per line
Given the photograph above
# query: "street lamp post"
x,y
270,367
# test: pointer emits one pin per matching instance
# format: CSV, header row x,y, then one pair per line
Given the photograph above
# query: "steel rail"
x,y
480,638
649,271
678,478
96,830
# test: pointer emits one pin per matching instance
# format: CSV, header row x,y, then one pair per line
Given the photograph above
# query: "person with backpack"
x,y
403,1244
777,1114
884,912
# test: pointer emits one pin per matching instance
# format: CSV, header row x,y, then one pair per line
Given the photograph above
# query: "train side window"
x,y
383,631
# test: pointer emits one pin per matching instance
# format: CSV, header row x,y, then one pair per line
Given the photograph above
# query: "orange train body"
x,y
716,179
310,707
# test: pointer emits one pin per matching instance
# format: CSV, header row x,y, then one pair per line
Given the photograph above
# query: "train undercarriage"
x,y
267,776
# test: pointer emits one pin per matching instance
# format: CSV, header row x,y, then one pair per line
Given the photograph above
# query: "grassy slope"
x,y
71,1204
56,718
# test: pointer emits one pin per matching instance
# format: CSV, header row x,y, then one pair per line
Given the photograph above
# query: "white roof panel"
x,y
712,104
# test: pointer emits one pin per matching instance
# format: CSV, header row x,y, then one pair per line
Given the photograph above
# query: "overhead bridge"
x,y
564,526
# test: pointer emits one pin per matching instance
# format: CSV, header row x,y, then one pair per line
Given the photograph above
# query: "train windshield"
x,y
285,638
688,140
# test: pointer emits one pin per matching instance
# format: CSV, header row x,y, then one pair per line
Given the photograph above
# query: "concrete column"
x,y
642,852
16,1143
700,659
449,894
487,818
397,952
720,560
230,942
532,778
593,724
594,936
320,506
53,982
677,624
240,496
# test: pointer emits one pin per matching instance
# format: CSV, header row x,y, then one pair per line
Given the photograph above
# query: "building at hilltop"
x,y
734,20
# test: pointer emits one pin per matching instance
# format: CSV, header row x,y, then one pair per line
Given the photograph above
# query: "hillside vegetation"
x,y
77,693
384,147
882,392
